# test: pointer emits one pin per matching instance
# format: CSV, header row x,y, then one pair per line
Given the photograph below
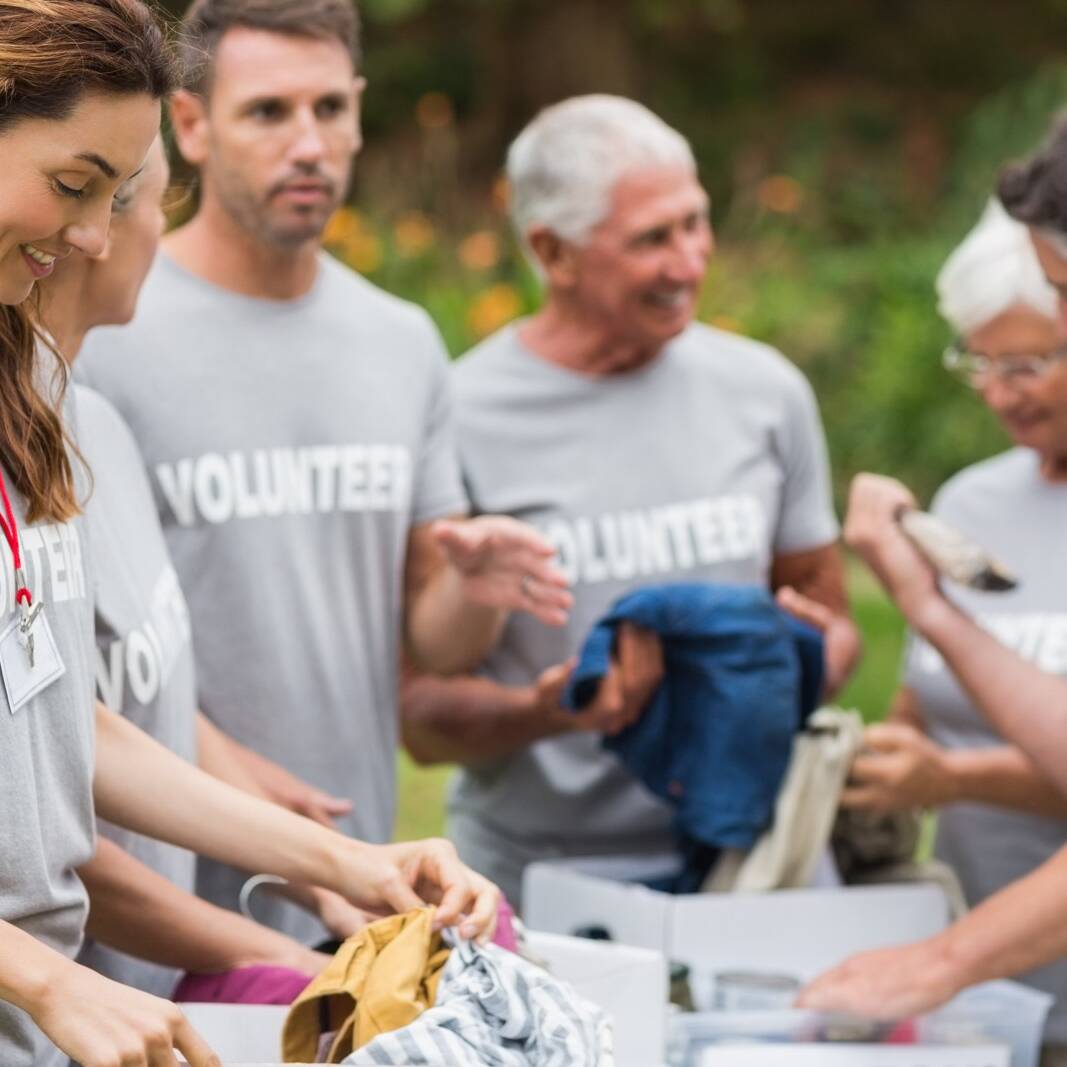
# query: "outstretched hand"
x,y
505,563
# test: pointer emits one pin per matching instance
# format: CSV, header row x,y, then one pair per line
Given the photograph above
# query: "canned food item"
x,y
755,991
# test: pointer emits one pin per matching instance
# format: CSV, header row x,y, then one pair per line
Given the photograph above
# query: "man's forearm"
x,y
1025,704
137,911
216,754
445,632
1002,777
469,719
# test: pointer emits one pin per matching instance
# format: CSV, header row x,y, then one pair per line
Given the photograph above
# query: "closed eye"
x,y
66,190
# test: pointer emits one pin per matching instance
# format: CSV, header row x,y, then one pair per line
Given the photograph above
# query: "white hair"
x,y
563,166
994,268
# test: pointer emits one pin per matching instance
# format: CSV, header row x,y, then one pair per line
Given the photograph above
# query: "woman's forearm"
x,y
1026,705
137,911
141,785
27,967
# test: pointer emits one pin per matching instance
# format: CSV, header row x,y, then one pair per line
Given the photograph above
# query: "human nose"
x,y
998,391
88,234
689,258
309,145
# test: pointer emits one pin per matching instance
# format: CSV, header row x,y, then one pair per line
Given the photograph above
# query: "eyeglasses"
x,y
975,369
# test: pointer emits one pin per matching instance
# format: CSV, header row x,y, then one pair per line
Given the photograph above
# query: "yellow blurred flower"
x,y
479,251
493,308
434,111
344,224
781,194
727,322
363,252
413,234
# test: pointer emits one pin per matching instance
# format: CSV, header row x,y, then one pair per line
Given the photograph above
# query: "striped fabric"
x,y
495,1009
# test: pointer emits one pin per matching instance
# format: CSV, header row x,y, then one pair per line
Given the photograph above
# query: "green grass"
x,y
421,800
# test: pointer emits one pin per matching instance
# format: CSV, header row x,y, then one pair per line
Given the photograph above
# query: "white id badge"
x,y
21,681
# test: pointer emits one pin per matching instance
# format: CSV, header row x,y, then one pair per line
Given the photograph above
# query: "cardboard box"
x,y
801,932
629,983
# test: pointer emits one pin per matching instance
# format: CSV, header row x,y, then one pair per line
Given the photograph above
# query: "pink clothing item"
x,y
260,984
505,935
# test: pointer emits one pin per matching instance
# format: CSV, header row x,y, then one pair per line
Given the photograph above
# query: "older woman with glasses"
x,y
1000,817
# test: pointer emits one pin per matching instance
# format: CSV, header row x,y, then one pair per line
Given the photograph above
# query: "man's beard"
x,y
253,215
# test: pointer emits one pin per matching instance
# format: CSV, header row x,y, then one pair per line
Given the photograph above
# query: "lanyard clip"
x,y
23,596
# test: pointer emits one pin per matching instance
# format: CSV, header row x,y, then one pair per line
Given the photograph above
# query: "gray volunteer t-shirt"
x,y
702,466
1005,505
291,446
46,767
144,658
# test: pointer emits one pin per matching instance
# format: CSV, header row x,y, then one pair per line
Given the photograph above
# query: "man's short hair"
x,y
207,21
563,166
1035,191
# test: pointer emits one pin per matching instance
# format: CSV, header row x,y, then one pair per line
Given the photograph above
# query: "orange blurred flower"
x,y
500,195
363,251
413,234
727,322
479,251
781,194
344,224
434,111
493,308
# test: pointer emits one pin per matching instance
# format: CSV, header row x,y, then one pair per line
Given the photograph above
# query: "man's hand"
x,y
624,692
872,532
283,788
406,875
99,1023
890,984
899,768
503,563
842,646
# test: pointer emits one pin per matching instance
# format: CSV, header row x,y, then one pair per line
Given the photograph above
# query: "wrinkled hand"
x,y
872,532
504,563
100,1023
624,692
406,875
842,646
889,984
898,768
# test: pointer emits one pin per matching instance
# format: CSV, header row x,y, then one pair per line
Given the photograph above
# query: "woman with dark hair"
x,y
80,89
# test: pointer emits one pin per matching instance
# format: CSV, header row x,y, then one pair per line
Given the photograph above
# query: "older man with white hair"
x,y
647,448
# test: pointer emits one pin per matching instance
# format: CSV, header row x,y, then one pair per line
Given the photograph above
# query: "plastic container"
x,y
1005,1012
997,1013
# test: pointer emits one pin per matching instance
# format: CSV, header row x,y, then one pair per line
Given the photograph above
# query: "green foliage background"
x,y
848,145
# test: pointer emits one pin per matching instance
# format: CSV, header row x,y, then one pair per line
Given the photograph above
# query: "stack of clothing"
x,y
400,992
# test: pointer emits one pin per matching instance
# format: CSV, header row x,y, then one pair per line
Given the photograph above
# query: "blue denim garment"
x,y
741,676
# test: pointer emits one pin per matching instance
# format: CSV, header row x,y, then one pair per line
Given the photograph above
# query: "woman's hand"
x,y
410,874
899,768
890,983
100,1023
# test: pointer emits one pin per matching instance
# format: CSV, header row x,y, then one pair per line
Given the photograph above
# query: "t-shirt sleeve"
x,y
806,519
437,488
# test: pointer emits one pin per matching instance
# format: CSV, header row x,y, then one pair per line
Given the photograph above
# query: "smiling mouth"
x,y
39,261
669,301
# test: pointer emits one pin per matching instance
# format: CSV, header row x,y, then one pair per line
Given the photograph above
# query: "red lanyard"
x,y
11,533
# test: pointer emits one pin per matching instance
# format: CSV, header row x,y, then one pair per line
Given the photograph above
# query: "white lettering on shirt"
x,y
618,546
145,657
1038,637
52,559
286,481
